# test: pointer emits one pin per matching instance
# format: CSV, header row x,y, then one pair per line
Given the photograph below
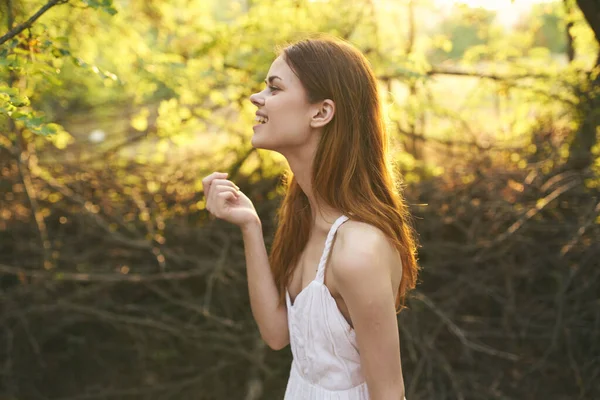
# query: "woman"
x,y
335,305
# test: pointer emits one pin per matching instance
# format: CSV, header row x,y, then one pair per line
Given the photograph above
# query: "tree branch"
x,y
104,277
436,71
591,12
20,28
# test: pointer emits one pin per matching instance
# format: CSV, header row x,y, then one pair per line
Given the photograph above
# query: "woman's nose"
x,y
257,100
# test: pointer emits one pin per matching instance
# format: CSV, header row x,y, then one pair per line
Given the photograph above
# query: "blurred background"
x,y
114,283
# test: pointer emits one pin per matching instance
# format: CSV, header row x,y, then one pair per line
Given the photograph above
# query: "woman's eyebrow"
x,y
271,79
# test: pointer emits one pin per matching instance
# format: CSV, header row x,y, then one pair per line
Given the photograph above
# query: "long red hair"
x,y
352,172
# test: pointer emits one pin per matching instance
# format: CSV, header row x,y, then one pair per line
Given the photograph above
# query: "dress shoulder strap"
x,y
323,262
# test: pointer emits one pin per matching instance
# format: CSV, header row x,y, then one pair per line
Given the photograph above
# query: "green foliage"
x,y
104,5
551,33
465,28
32,62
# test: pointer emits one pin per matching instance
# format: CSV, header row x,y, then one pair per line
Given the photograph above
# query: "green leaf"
x,y
20,101
47,130
8,90
104,5
20,116
34,122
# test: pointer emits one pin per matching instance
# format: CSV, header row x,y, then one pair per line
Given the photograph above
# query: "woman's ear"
x,y
323,114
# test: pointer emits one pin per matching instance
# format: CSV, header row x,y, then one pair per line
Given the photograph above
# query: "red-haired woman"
x,y
344,253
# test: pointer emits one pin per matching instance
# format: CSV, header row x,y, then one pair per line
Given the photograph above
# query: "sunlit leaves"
x,y
465,27
443,42
104,5
60,139
34,59
198,62
140,120
10,99
94,69
168,119
11,102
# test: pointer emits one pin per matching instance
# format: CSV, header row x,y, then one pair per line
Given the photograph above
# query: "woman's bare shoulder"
x,y
362,245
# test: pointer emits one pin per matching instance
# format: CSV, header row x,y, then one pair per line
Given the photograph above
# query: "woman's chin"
x,y
257,141
261,139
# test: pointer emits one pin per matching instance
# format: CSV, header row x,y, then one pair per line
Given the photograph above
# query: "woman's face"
x,y
284,114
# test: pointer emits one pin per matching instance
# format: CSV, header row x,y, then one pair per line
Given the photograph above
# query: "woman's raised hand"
x,y
225,201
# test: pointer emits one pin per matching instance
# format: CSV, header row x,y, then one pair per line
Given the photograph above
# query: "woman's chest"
x,y
305,272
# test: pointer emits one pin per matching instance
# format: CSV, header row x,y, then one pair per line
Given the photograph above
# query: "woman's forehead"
x,y
280,69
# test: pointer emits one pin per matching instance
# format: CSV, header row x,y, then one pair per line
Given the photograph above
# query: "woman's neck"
x,y
322,215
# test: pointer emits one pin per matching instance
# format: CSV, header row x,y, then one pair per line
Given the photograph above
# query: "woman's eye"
x,y
273,88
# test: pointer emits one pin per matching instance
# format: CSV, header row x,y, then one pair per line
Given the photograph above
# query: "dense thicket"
x,y
507,306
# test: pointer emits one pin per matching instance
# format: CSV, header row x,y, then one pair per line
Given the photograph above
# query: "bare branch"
x,y
20,28
473,74
460,334
436,71
97,277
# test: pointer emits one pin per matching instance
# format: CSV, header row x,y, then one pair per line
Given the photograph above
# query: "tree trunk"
x,y
413,144
569,25
580,152
591,12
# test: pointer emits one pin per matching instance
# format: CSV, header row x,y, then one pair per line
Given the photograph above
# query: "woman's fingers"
x,y
224,182
219,183
223,188
222,198
225,200
227,196
208,181
216,199
218,191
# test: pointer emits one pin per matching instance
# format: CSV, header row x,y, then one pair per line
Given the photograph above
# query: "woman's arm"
x,y
363,277
224,200
264,299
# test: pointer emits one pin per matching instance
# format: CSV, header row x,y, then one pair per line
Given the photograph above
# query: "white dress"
x,y
326,362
